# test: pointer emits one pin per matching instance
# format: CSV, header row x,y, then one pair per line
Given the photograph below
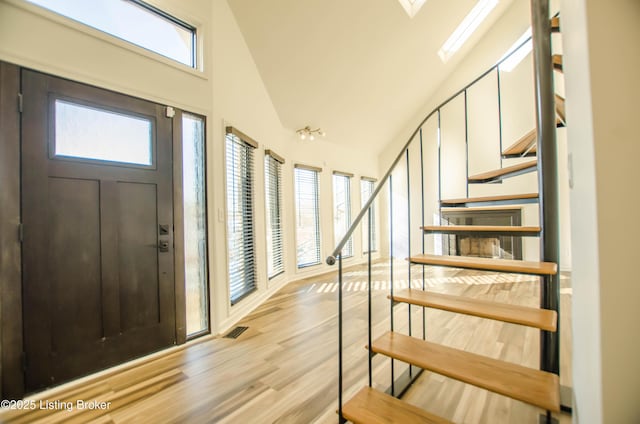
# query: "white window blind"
x,y
342,210
367,185
240,222
307,216
273,199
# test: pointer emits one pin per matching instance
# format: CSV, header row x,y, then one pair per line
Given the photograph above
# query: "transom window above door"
x,y
90,132
133,21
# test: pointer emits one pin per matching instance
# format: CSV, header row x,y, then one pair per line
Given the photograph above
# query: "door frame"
x,y
11,340
12,358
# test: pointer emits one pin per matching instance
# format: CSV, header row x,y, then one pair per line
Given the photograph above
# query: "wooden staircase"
x,y
538,387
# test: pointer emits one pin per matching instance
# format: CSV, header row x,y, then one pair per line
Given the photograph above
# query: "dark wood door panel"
x,y
138,240
103,354
73,216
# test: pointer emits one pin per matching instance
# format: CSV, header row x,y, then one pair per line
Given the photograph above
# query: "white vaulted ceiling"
x,y
360,69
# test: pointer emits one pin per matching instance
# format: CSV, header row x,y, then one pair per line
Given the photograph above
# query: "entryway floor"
x,y
283,368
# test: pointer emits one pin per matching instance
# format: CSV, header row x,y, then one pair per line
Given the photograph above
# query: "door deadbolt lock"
x,y
163,246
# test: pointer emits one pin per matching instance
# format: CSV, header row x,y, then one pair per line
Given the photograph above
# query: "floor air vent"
x,y
235,333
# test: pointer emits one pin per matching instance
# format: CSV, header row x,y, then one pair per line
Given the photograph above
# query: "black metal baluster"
x,y
341,417
424,310
466,140
409,246
440,174
369,237
391,273
499,111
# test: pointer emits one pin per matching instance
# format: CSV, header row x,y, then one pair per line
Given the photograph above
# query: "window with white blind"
x,y
273,200
307,215
367,185
342,210
240,222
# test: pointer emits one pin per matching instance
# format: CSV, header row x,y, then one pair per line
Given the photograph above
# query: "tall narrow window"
x,y
367,186
134,21
342,210
195,224
307,216
240,223
273,200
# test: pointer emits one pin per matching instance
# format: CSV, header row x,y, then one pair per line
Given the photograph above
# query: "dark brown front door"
x,y
97,229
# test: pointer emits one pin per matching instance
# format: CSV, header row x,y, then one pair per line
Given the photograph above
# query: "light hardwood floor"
x,y
283,369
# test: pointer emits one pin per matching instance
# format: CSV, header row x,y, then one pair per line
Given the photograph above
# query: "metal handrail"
x,y
331,259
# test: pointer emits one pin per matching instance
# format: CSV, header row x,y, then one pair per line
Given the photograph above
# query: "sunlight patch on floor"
x,y
378,285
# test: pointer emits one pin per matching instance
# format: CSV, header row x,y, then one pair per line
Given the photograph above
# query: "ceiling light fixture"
x,y
516,52
307,132
468,25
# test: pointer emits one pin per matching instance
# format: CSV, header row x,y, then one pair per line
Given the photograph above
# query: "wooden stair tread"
x,y
487,264
480,208
503,172
481,230
555,24
543,319
532,386
485,199
560,108
370,406
526,144
557,62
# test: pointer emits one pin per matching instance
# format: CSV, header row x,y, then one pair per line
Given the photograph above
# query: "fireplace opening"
x,y
502,247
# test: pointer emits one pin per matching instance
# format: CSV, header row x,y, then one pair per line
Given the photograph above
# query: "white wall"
x,y
601,64
228,90
241,100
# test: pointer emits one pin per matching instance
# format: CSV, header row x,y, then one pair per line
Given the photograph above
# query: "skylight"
x,y
412,7
520,51
467,27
